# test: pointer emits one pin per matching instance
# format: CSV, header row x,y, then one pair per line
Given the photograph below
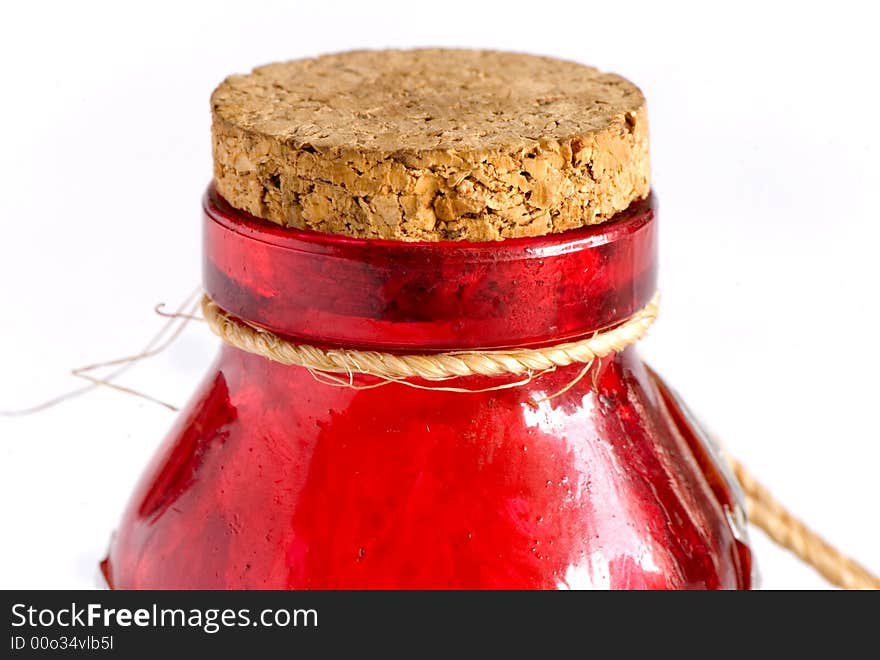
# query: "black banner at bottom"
x,y
146,623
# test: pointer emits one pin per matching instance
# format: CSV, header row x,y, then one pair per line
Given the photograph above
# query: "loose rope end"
x,y
787,531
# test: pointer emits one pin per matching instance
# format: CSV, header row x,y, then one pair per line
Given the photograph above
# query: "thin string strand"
x,y
128,390
337,381
177,322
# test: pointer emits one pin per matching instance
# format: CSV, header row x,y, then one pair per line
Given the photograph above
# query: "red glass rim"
x,y
375,294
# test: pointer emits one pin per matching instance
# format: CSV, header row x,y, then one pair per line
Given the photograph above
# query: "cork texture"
x,y
430,144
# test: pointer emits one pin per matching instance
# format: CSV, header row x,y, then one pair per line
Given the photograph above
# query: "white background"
x,y
766,157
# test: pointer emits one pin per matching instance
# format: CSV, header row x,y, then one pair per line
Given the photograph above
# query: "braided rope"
x,y
766,513
437,366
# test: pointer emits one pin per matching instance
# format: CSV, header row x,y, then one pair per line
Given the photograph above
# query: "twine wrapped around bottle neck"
x,y
433,367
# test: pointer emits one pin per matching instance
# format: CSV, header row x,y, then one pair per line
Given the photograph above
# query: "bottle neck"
x,y
371,294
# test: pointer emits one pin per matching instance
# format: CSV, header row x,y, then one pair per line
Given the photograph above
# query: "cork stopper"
x,y
430,144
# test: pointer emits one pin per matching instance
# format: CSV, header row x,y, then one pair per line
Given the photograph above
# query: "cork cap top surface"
x,y
430,144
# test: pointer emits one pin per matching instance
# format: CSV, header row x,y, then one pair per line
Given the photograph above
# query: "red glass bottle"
x,y
273,478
